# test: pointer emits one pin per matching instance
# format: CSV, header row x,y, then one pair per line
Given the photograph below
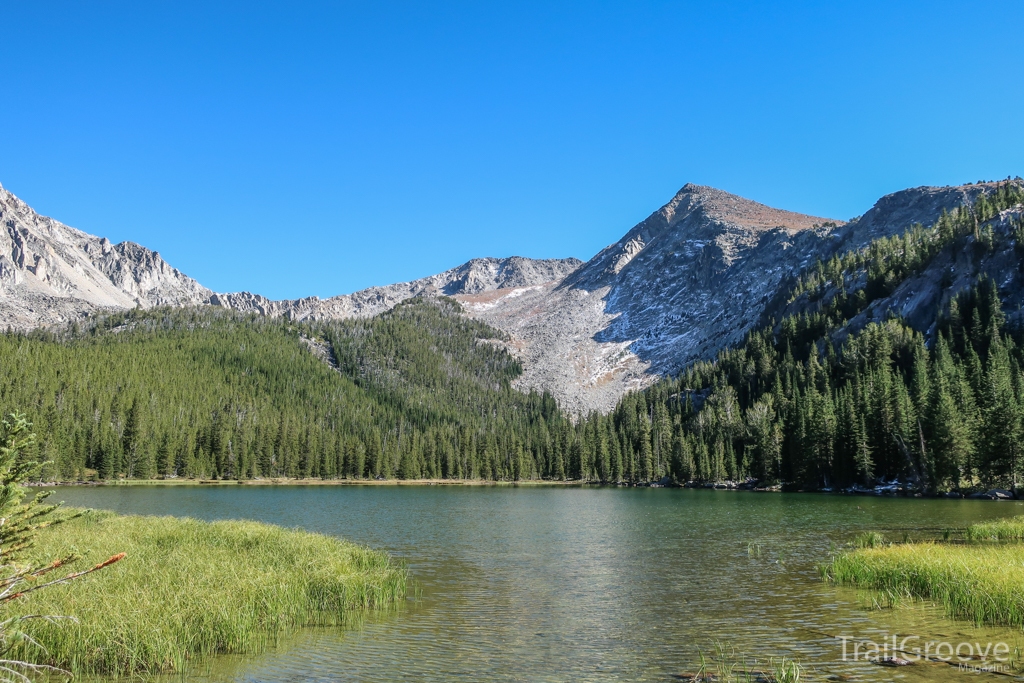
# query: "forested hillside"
x,y
420,391
844,390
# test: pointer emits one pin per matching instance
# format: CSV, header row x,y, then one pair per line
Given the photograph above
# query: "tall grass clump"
x,y
725,665
190,589
1001,530
869,539
981,583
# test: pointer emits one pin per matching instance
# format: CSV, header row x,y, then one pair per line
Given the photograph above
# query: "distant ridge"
x,y
51,274
473,277
689,280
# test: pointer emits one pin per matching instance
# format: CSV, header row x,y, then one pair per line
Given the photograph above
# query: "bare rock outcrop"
x,y
473,277
690,280
51,273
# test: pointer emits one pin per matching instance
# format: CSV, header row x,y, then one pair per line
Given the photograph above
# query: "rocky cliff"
x,y
51,273
691,279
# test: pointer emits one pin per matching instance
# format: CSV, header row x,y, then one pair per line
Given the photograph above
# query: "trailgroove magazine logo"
x,y
909,649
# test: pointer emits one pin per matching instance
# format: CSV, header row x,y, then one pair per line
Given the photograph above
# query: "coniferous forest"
x,y
816,399
420,391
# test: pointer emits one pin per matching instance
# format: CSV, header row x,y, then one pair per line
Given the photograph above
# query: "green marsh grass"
x,y
1001,530
977,580
726,665
189,589
869,539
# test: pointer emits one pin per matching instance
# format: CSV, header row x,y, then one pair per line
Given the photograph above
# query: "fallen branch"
x,y
6,596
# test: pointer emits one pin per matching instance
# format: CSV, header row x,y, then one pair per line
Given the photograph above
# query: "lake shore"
x,y
889,491
187,590
320,482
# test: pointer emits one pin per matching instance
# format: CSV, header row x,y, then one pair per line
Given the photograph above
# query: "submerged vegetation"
x,y
189,589
979,580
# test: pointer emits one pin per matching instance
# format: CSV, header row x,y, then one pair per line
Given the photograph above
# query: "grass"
x,y
726,665
189,589
1002,530
869,539
979,580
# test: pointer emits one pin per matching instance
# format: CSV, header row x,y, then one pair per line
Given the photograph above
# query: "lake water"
x,y
584,584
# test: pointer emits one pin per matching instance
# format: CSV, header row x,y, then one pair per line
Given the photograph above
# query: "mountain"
x,y
894,355
51,274
919,295
471,278
892,367
690,280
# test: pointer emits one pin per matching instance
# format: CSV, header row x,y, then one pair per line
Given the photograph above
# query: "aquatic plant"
x,y
726,665
982,583
869,539
1000,530
191,589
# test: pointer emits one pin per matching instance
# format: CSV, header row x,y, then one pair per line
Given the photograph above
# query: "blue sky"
x,y
318,148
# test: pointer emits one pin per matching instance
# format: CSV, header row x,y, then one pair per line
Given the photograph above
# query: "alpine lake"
x,y
551,583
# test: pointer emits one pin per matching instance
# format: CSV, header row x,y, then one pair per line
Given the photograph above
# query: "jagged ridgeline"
x,y
420,391
899,360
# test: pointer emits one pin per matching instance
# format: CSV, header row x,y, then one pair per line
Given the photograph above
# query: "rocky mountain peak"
x,y
696,218
692,278
51,273
730,209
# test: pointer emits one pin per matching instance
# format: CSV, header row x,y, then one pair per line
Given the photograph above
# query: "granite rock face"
x,y
51,273
690,280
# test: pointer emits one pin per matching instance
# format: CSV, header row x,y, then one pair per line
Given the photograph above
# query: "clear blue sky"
x,y
317,148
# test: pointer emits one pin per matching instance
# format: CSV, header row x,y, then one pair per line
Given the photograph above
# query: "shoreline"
x,y
164,608
311,482
572,483
323,482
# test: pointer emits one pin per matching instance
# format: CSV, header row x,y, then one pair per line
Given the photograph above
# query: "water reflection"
x,y
550,584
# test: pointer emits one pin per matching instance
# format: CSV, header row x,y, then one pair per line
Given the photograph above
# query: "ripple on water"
x,y
551,584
